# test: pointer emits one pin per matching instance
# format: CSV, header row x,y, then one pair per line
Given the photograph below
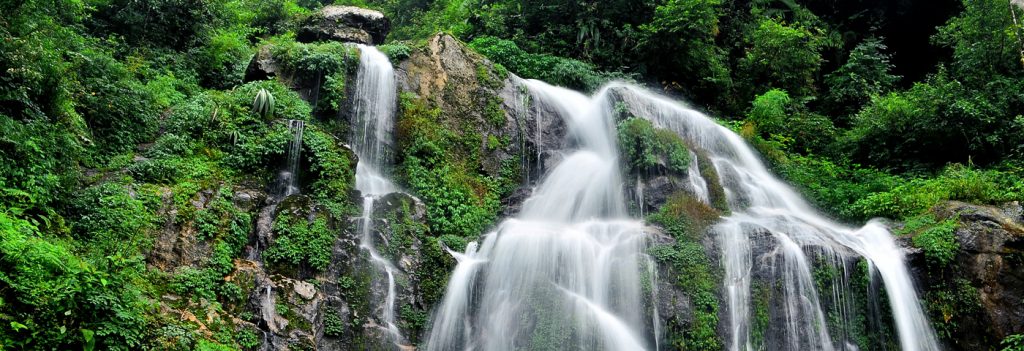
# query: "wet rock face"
x,y
345,24
987,274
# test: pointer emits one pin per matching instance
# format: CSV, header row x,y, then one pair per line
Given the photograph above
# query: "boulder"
x,y
987,274
345,24
263,65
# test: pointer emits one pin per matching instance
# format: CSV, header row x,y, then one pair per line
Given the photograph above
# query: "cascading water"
x,y
290,176
567,271
759,202
286,184
374,112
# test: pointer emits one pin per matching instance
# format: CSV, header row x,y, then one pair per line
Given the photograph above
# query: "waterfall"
x,y
566,272
286,184
759,202
374,114
290,176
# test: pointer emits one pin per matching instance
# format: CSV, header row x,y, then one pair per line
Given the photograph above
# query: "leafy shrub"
x,y
647,150
787,123
333,324
835,187
395,51
31,174
783,55
938,121
957,182
950,302
936,238
111,219
442,166
175,24
223,59
1013,343
55,298
332,168
196,283
552,69
313,60
299,242
865,74
117,108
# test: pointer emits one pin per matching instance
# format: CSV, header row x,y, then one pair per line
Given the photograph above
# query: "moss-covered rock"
x,y
973,293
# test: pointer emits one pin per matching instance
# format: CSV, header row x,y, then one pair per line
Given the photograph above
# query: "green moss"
x,y
761,295
488,77
414,320
493,112
716,192
332,169
648,150
436,265
686,219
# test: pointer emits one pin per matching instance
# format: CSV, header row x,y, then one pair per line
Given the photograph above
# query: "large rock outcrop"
x,y
345,24
978,299
472,92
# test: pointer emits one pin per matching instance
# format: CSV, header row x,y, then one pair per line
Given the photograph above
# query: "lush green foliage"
x,y
686,219
109,133
936,238
118,117
1013,343
298,241
441,165
552,69
647,149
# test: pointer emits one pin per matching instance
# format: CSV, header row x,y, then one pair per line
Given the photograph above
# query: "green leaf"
x,y
90,340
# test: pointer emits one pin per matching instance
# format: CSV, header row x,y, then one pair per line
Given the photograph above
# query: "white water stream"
x,y
374,113
567,272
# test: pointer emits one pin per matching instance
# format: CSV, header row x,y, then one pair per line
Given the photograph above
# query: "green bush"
x,y
54,297
936,238
442,167
1013,343
300,242
836,187
223,59
395,51
332,168
314,60
648,150
783,55
914,196
552,69
333,325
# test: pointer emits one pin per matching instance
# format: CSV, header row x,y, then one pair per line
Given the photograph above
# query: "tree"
x,y
783,56
985,41
866,73
680,42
